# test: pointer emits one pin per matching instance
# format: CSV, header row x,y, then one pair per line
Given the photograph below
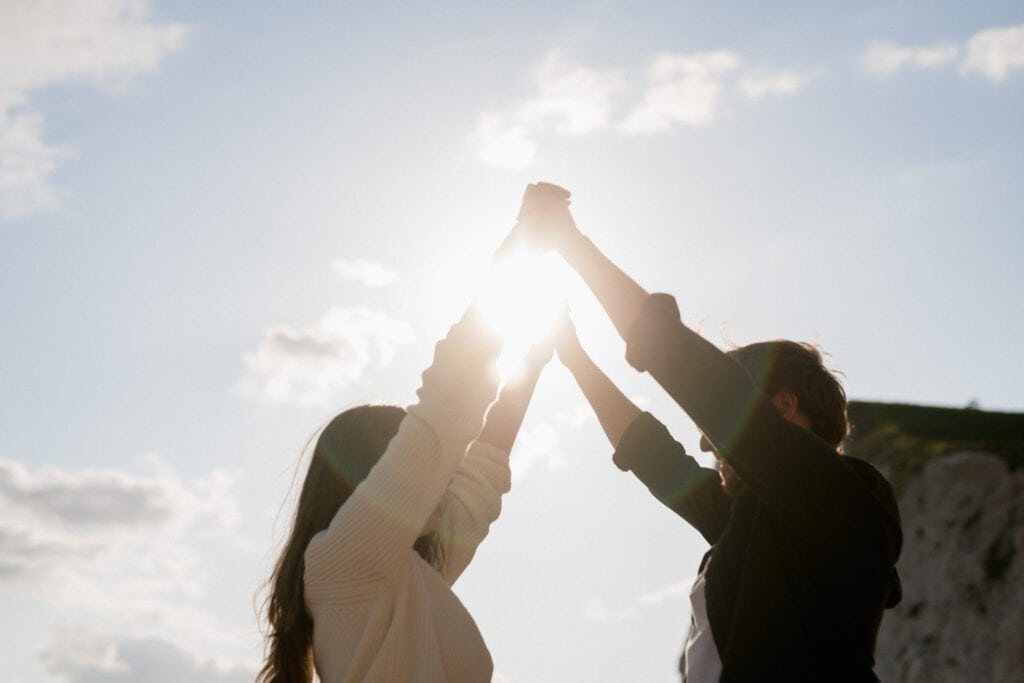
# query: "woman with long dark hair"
x,y
391,511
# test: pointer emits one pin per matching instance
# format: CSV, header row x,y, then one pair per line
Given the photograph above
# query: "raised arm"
x,y
613,408
505,416
374,530
644,446
818,495
473,499
549,224
791,470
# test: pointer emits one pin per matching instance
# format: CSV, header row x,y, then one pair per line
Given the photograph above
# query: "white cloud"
x,y
25,164
757,83
598,610
106,43
683,89
673,591
123,547
570,100
89,497
536,447
79,655
310,366
56,522
366,273
577,415
31,554
504,144
995,52
885,59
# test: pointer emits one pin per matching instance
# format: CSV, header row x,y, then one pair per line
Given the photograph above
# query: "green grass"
x,y
901,438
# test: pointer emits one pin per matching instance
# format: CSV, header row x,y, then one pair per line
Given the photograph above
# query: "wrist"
x,y
573,245
573,359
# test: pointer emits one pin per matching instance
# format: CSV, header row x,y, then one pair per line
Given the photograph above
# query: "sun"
x,y
522,299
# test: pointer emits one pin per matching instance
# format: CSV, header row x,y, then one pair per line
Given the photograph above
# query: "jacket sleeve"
x,y
799,477
673,477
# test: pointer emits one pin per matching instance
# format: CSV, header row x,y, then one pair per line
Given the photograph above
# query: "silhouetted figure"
x,y
391,511
803,540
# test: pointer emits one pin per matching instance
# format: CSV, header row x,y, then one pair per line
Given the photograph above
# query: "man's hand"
x,y
544,220
537,194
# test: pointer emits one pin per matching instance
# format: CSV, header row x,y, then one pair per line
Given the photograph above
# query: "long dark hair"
x,y
347,449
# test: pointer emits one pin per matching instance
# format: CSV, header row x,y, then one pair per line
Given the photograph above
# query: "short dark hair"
x,y
783,365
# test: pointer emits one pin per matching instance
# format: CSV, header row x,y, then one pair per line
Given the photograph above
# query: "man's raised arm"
x,y
550,225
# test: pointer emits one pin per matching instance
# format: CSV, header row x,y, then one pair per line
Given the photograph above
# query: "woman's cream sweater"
x,y
380,612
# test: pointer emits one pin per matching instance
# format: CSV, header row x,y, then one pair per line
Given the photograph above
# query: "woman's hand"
x,y
505,416
540,354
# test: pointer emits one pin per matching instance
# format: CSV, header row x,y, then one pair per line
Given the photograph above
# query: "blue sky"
x,y
220,224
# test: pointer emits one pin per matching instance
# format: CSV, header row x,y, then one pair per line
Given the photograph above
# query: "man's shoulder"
x,y
880,489
867,472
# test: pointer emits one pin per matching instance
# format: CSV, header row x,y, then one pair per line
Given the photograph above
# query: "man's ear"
x,y
787,403
789,407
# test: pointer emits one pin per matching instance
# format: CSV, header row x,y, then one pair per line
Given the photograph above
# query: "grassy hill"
x,y
900,438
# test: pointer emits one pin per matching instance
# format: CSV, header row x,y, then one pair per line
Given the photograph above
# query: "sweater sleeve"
x,y
372,533
798,476
471,504
673,477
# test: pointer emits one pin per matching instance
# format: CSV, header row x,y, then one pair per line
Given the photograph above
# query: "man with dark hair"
x,y
803,539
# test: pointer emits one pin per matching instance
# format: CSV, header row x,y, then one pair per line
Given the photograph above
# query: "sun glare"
x,y
522,300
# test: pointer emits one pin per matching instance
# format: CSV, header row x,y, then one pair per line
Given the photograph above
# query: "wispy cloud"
x,y
537,447
80,655
885,59
105,43
117,543
598,609
109,499
503,142
678,90
366,273
575,416
310,366
671,592
570,100
31,553
993,53
763,82
54,517
683,89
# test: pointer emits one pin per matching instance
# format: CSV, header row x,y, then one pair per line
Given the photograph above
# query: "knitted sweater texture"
x,y
380,612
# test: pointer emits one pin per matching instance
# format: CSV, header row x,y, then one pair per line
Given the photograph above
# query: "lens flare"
x,y
522,299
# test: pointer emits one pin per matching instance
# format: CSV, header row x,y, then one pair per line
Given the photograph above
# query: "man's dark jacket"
x,y
802,563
